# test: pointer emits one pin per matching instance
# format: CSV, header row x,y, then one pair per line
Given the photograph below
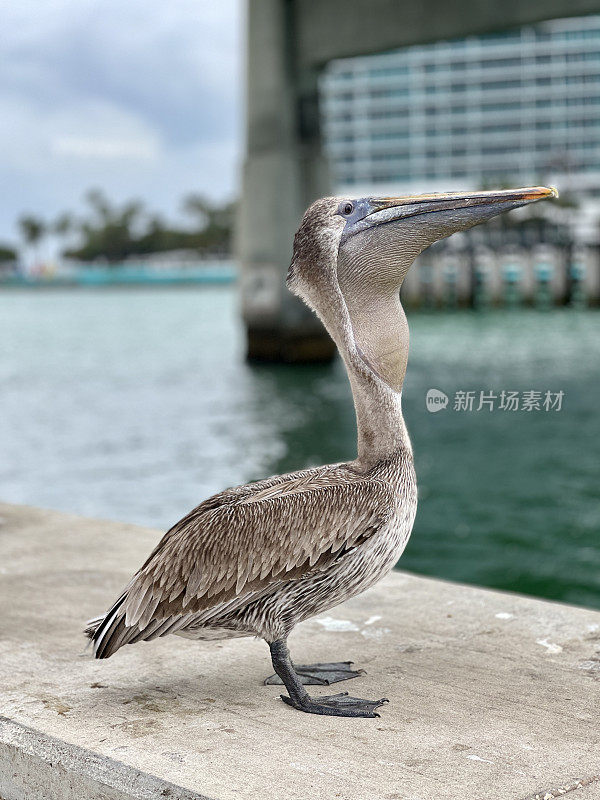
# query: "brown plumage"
x,y
228,553
259,558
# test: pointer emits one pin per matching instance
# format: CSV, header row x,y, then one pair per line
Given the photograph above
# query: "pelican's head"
x,y
368,244
351,256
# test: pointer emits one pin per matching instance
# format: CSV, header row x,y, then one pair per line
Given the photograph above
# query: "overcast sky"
x,y
138,97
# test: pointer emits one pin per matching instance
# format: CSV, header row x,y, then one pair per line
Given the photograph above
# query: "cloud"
x,y
140,98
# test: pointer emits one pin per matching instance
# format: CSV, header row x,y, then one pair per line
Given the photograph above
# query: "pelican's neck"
x,y
376,354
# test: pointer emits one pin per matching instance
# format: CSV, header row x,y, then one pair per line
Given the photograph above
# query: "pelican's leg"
x,y
319,674
337,705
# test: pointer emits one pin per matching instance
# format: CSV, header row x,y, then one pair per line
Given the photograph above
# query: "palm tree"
x,y
32,230
199,208
214,222
63,224
98,201
111,232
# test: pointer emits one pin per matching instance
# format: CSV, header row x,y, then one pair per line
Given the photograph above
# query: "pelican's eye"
x,y
347,209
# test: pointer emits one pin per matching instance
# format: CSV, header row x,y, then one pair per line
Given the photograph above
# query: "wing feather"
x,y
241,541
243,546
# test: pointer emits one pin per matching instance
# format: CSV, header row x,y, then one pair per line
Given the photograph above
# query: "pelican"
x,y
257,559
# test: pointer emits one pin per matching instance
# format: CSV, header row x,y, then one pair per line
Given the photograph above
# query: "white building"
x,y
521,107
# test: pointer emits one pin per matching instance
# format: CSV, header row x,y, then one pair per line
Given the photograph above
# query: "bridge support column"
x,y
284,171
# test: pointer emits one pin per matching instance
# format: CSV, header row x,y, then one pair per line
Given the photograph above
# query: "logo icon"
x,y
435,400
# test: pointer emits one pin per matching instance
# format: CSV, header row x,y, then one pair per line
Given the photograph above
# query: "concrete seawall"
x,y
492,696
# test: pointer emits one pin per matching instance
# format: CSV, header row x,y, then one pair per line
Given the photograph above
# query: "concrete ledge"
x,y
493,696
33,765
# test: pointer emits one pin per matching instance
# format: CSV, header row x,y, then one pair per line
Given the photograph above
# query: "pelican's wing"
x,y
242,541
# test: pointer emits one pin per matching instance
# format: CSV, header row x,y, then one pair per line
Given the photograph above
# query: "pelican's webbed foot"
x,y
320,674
337,705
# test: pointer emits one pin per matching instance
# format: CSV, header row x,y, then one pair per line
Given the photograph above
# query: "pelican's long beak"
x,y
423,219
410,206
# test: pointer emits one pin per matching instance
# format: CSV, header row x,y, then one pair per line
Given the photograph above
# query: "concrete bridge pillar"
x,y
288,42
284,171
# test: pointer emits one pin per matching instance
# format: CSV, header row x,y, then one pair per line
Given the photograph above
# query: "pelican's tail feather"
x,y
108,632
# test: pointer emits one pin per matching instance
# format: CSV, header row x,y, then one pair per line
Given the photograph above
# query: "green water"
x,y
137,404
